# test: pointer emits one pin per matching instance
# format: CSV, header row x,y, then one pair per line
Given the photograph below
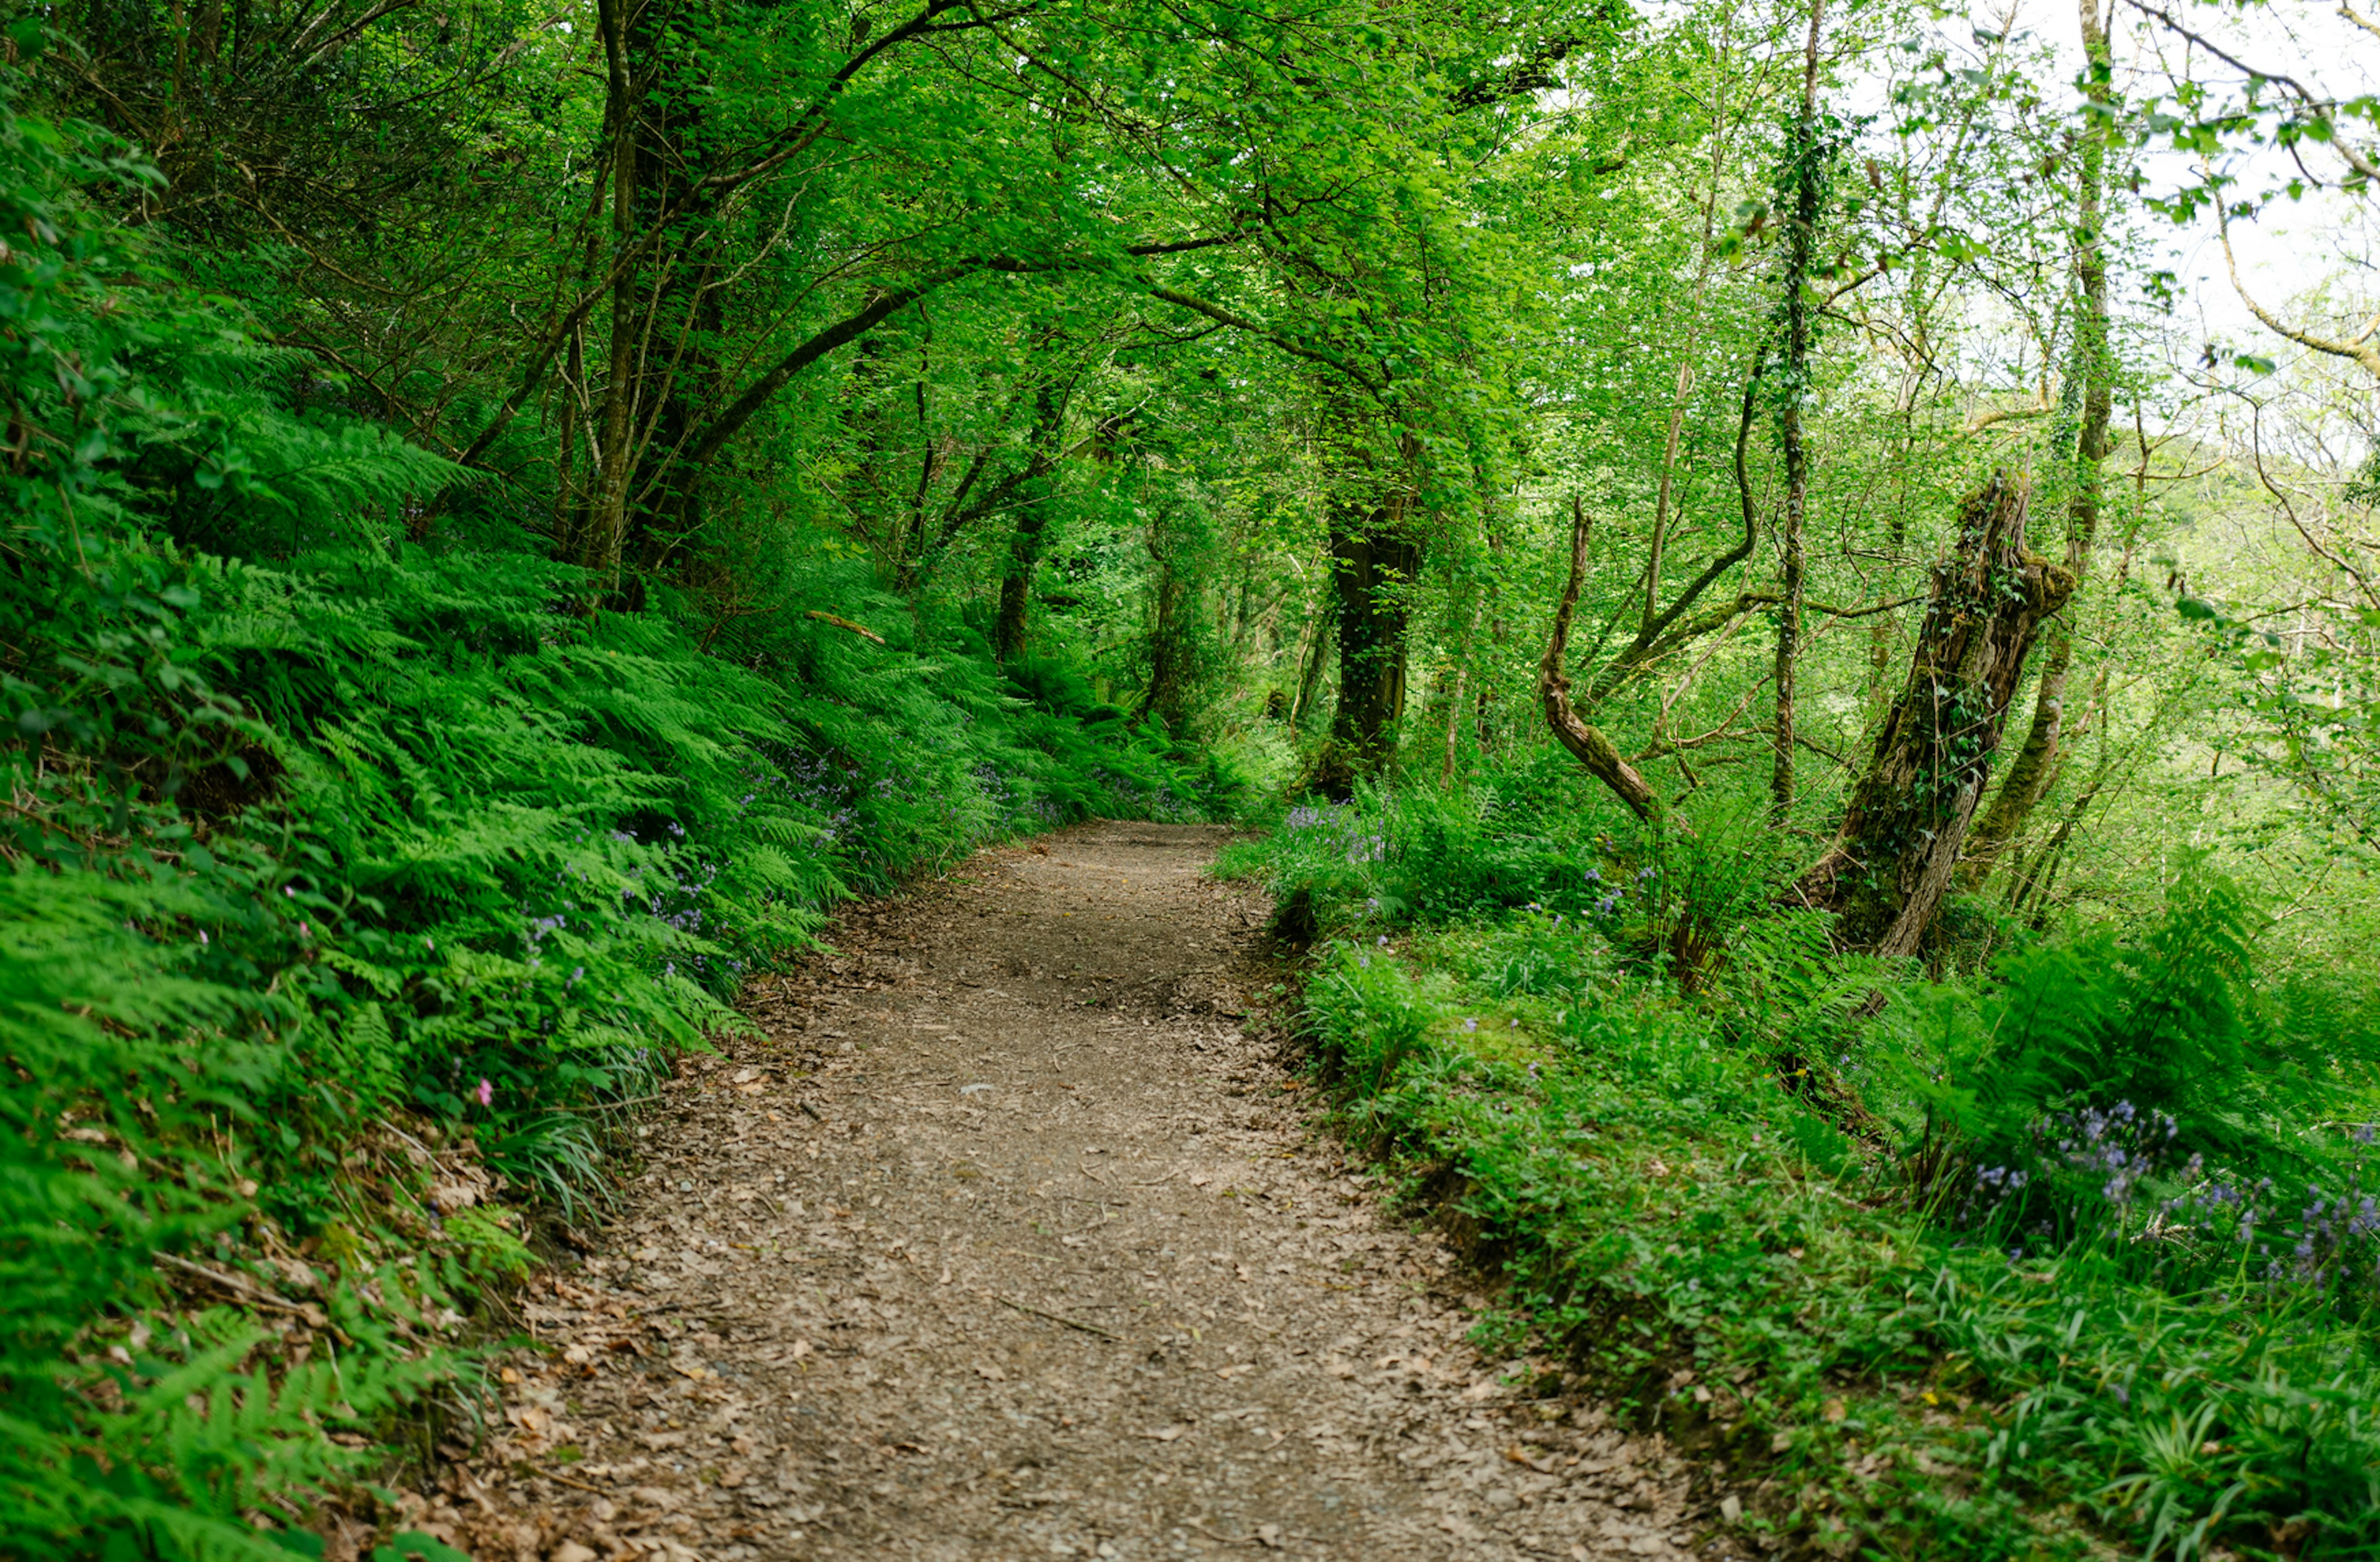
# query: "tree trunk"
x,y
1805,177
603,518
1322,632
1012,630
1173,644
2029,774
662,371
1499,634
1909,816
1454,713
1374,560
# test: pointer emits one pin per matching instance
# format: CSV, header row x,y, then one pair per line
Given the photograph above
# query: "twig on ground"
x,y
1212,1535
862,630
239,1287
1052,1317
544,1474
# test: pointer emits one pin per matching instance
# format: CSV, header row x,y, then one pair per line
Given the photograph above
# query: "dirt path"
x,y
1007,1242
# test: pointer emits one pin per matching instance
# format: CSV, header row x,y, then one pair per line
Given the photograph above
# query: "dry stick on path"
x,y
1055,1318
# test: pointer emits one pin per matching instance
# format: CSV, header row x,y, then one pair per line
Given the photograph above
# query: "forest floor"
x,y
1007,1238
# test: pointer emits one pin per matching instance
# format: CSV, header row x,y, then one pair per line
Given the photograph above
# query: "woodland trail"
x,y
1006,1240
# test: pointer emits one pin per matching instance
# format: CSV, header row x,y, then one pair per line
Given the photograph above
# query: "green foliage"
x,y
453,629
344,856
1778,1212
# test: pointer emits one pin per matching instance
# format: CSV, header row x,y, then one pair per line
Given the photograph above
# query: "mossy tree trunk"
x,y
1012,630
2036,765
1910,813
1805,181
1375,559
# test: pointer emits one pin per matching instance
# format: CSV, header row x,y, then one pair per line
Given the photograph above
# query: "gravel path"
x,y
1006,1240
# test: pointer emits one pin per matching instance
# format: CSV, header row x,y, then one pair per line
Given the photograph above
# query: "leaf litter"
x,y
1119,1295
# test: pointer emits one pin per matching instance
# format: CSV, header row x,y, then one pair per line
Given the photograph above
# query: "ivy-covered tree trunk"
x,y
602,520
1181,556
1805,186
1374,561
662,371
2036,765
1011,630
1909,816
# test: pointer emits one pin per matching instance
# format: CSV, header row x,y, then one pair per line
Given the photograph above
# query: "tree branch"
x,y
2321,108
1585,741
1656,631
2359,349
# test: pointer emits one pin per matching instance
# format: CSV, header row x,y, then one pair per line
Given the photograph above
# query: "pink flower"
x,y
486,1094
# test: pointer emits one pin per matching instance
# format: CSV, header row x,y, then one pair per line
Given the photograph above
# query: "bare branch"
x,y
1585,741
2359,348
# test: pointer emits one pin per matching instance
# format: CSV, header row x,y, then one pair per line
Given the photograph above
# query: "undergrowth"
x,y
361,867
2076,1249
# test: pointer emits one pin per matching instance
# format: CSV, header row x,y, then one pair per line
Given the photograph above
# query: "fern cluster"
x,y
345,852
